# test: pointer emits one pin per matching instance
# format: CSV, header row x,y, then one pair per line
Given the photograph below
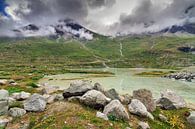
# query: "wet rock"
x,y
77,88
94,99
36,103
112,94
191,118
17,112
145,96
138,108
116,109
143,125
170,100
21,96
101,115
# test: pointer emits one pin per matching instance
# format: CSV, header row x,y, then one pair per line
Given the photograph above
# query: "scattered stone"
x,y
74,99
163,118
11,100
17,112
125,99
101,115
170,100
191,118
4,95
112,94
77,88
184,76
3,82
51,99
36,103
143,125
95,99
138,108
4,121
21,96
98,87
59,97
50,89
116,109
145,96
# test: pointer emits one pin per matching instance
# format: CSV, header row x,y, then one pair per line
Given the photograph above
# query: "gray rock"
x,y
138,108
125,99
94,99
59,97
112,94
163,118
101,115
191,118
36,103
143,125
116,109
50,89
170,100
4,94
145,96
17,112
11,100
74,99
77,88
4,121
4,107
21,96
98,87
51,99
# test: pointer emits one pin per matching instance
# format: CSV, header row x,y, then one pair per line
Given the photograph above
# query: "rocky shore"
x,y
108,103
184,76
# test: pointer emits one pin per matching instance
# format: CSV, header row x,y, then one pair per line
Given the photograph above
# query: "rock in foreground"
x,y
36,103
17,112
116,109
77,88
191,118
170,100
94,99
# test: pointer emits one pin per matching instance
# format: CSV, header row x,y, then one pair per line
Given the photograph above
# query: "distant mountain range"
x,y
63,28
70,29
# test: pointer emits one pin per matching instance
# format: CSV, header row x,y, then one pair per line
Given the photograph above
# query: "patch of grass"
x,y
33,85
154,73
12,90
18,104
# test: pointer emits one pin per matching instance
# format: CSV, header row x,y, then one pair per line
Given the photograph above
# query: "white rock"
x,y
17,112
36,103
101,115
21,96
116,109
50,89
3,81
4,121
143,125
94,99
138,108
4,94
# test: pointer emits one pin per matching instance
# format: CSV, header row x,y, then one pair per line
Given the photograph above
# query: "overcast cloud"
x,y
102,16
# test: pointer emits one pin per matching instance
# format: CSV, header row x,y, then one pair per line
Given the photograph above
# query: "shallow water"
x,y
125,81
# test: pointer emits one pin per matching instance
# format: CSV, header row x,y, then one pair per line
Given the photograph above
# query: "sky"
x,y
103,16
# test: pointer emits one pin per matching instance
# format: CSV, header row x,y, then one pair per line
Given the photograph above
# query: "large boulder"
x,y
21,96
4,105
112,94
36,103
170,100
191,118
94,99
138,108
116,109
77,88
145,96
17,112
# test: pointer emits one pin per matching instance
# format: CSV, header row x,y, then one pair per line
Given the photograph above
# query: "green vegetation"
x,y
155,73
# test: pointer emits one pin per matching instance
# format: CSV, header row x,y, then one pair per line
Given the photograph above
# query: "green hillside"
x,y
157,52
